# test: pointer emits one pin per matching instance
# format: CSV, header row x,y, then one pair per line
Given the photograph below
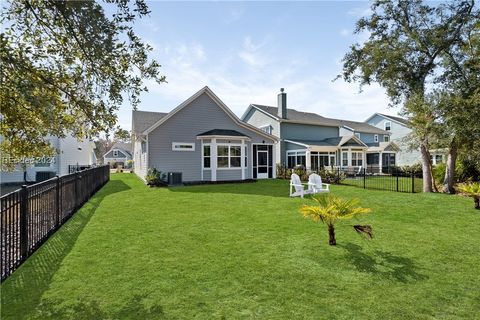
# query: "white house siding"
x,y
201,115
70,154
259,119
399,136
139,160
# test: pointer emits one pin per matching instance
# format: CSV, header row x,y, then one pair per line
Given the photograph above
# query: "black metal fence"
x,y
390,179
33,213
78,167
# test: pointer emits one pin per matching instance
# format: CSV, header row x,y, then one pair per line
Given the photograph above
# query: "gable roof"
x,y
206,90
336,142
123,146
294,116
400,120
142,120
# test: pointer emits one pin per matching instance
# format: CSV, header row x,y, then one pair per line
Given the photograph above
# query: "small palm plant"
x,y
329,209
472,190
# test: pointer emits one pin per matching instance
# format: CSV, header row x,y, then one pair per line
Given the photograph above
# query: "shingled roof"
x,y
142,120
401,120
295,116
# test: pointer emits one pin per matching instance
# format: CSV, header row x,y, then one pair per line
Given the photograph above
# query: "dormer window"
x,y
267,129
388,125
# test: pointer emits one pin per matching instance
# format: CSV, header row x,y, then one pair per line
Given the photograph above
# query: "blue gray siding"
x,y
201,115
292,131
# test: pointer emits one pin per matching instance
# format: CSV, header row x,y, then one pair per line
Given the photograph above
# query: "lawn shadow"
x,y
383,264
33,277
92,309
259,188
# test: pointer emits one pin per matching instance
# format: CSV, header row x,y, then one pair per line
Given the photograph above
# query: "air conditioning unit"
x,y
174,178
44,175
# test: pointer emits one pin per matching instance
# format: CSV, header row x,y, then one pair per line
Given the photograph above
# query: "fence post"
x,y
57,201
23,222
397,180
413,182
364,178
75,192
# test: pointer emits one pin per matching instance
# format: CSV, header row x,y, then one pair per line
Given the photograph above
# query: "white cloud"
x,y
188,68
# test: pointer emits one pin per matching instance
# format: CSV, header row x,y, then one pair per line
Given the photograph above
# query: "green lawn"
x,y
244,252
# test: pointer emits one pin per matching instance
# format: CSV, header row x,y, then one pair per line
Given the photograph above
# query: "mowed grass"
x,y
242,251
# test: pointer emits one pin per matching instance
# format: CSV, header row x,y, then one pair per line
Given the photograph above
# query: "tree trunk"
x,y
331,235
450,169
426,168
477,203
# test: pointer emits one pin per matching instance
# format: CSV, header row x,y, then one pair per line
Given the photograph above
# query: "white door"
x,y
262,164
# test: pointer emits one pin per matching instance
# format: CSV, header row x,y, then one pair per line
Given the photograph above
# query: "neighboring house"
x,y
314,141
399,129
202,139
71,152
119,154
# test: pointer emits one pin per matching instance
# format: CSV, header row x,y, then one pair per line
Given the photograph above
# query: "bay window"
x,y
229,156
295,158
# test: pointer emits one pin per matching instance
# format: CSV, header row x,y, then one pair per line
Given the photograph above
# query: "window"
x,y
438,158
183,146
320,160
388,125
267,129
357,159
206,157
296,158
344,159
115,153
229,156
375,138
357,134
386,138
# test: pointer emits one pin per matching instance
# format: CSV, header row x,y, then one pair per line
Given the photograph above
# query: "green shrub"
x,y
413,169
439,172
154,178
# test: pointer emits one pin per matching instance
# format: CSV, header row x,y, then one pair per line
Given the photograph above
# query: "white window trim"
x,y
268,127
357,134
389,124
386,138
175,144
375,138
203,156
229,145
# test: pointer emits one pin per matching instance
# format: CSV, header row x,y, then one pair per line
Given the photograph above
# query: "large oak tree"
x,y
66,68
407,42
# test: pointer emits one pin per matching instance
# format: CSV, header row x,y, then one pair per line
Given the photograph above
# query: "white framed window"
x,y
388,125
115,153
357,134
357,158
183,146
375,138
229,156
295,158
267,129
207,158
344,158
386,138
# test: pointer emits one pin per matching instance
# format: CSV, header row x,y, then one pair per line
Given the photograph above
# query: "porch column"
x,y
349,157
308,162
242,159
213,160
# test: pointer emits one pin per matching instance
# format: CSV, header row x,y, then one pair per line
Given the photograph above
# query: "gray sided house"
x,y
399,130
119,154
202,139
315,142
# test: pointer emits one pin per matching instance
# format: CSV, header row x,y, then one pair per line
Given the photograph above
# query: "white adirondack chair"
x,y
315,184
297,188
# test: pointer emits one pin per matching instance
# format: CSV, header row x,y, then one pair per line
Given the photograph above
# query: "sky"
x,y
246,51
